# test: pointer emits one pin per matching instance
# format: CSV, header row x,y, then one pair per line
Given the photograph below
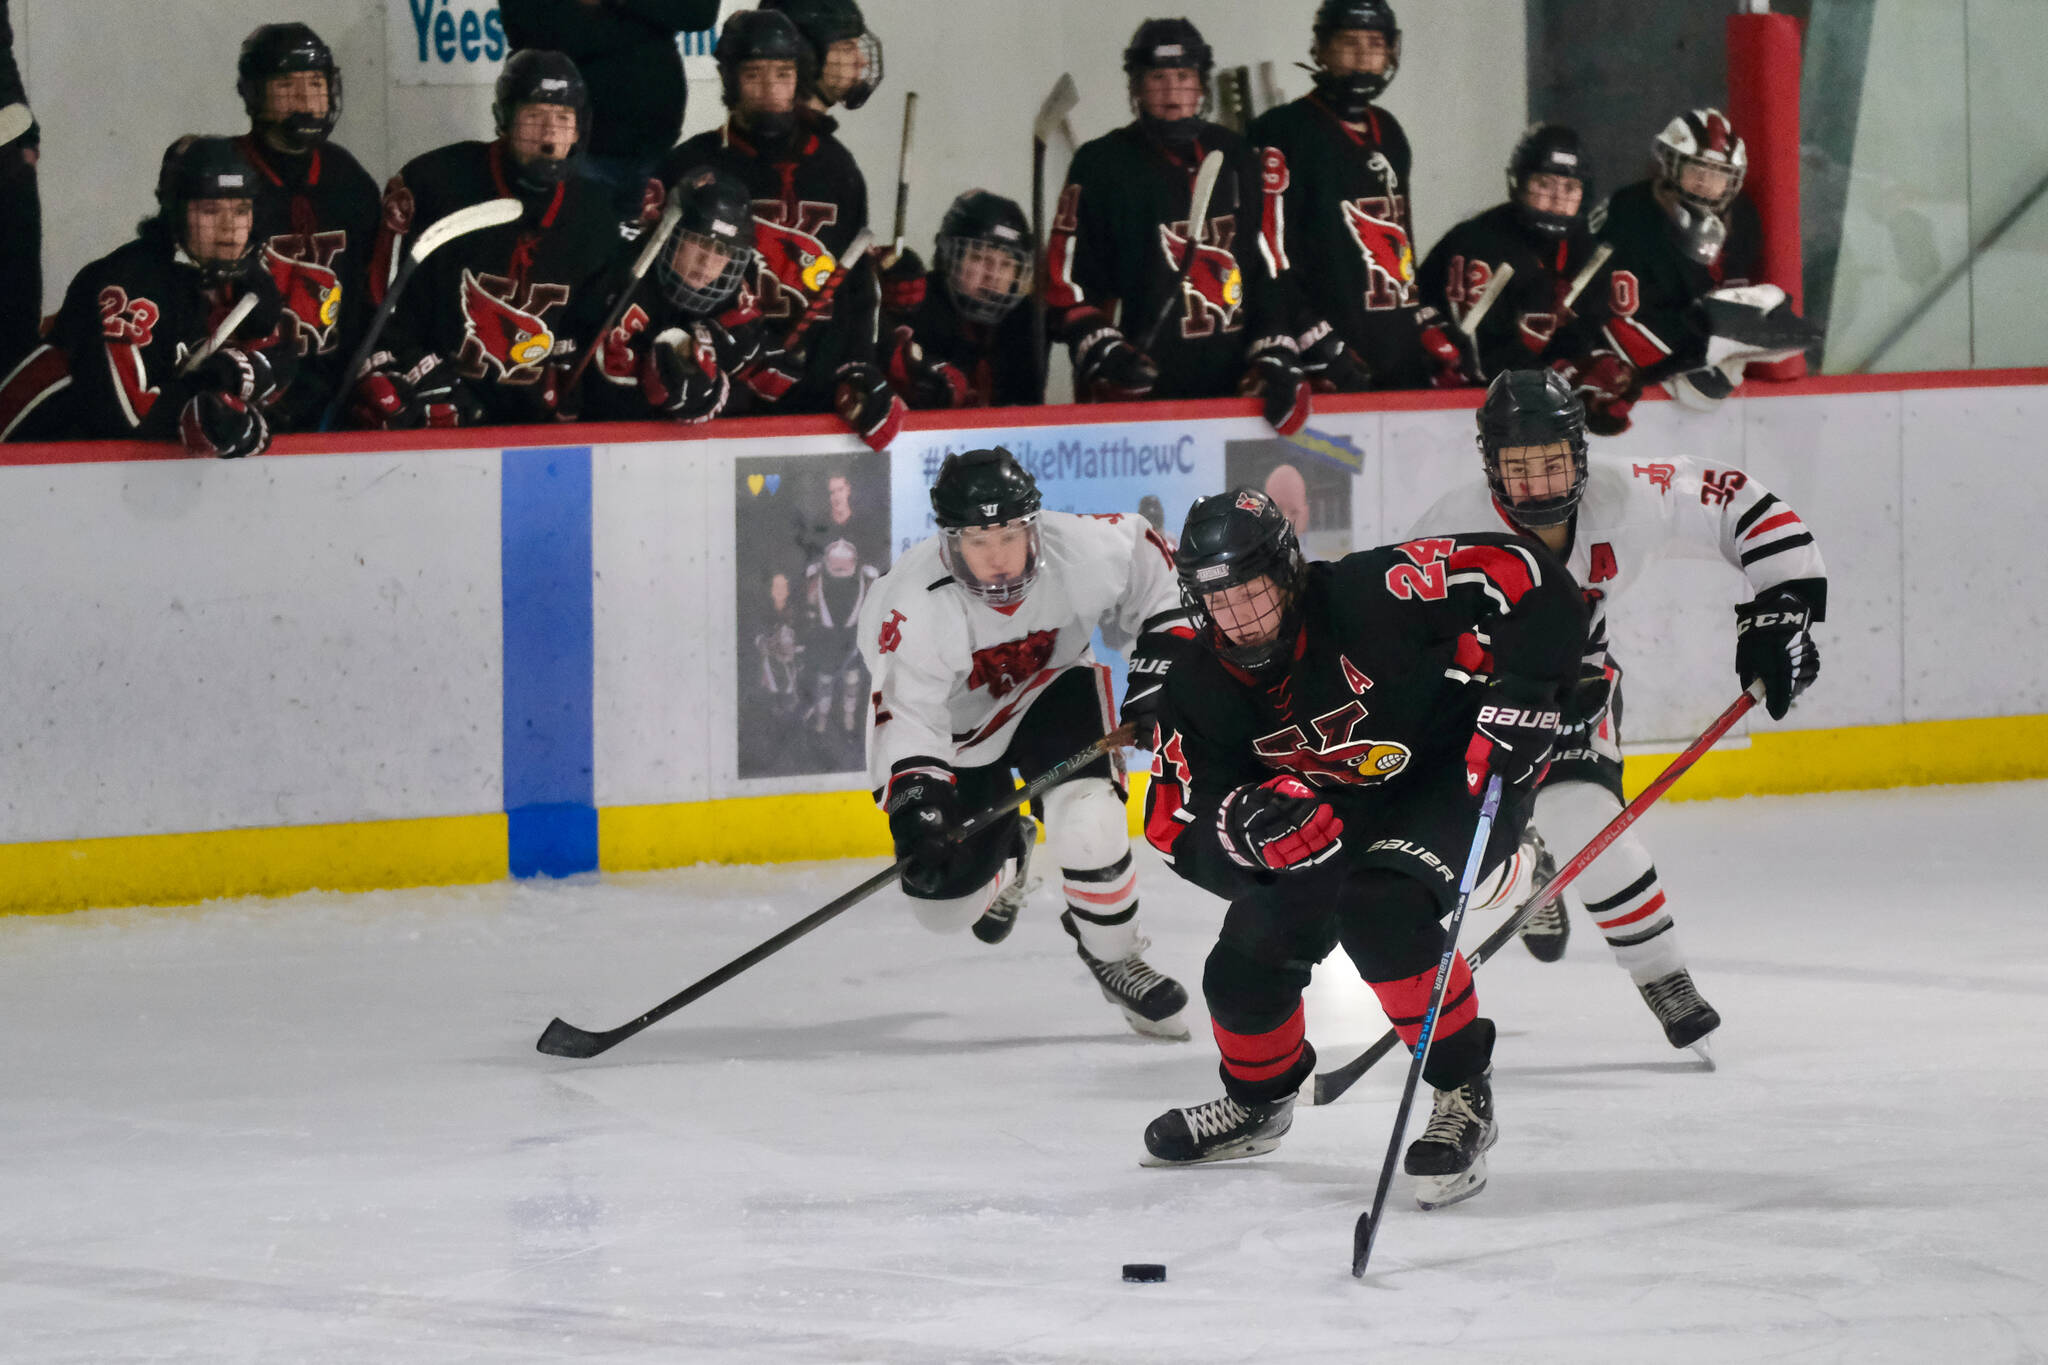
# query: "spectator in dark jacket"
x,y
626,50
21,219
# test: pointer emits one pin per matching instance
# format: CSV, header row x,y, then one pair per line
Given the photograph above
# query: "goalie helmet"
x,y
1532,408
535,76
984,255
282,50
823,23
1548,149
1232,539
713,242
1702,139
985,489
1350,94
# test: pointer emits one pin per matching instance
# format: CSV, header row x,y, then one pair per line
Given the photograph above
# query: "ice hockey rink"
x,y
316,1130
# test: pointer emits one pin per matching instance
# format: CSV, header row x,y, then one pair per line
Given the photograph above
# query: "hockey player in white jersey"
x,y
978,644
1609,519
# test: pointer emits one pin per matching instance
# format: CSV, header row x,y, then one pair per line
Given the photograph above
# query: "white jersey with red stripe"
x,y
1634,512
953,675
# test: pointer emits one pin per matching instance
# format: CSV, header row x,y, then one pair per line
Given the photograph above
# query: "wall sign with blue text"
x,y
445,42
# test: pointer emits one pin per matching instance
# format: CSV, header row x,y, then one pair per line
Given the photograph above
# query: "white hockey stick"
x,y
1206,177
1469,324
650,251
1586,274
220,336
15,120
903,173
475,218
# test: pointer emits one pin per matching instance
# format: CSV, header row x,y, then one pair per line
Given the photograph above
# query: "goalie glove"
x,y
1278,825
1752,323
1773,642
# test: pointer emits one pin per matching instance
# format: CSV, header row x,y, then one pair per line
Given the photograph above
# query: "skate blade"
x,y
1702,1046
1171,1029
1257,1146
1441,1191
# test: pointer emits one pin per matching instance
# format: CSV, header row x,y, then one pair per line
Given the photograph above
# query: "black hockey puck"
x,y
1144,1273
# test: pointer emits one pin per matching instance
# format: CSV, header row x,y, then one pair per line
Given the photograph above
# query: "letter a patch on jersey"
x,y
1358,681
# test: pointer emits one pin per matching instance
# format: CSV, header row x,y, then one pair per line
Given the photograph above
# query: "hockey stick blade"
x,y
1206,177
1059,102
563,1039
1333,1083
220,336
15,120
462,222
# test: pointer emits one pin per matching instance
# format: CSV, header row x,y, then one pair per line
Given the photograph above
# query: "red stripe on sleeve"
x,y
1503,568
1640,346
1785,518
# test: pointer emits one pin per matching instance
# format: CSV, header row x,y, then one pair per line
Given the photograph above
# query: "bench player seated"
x,y
965,343
1609,519
1327,742
115,364
978,644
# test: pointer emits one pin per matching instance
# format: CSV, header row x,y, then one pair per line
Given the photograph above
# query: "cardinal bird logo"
x,y
302,270
796,259
1337,755
1215,282
1384,245
501,339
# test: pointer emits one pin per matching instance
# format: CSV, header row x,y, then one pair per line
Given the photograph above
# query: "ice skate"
x,y
1450,1156
1221,1130
1687,1019
1151,1002
1001,916
1545,933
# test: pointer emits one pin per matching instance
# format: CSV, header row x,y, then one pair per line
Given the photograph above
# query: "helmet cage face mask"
x,y
1350,93
975,269
284,50
868,62
688,288
1002,592
1679,148
1552,511
1282,574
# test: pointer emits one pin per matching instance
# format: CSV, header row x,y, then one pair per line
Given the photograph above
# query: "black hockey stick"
x,y
1368,1226
561,1039
903,174
1206,176
1330,1084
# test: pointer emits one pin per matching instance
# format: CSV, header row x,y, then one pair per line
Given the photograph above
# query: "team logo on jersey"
x,y
302,268
1337,756
1659,475
1384,244
504,337
1002,668
891,636
791,263
1215,286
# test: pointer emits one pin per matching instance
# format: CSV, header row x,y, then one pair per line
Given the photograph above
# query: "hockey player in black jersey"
x,y
1541,232
810,201
682,338
1325,748
1687,246
316,207
967,343
1345,238
846,57
120,359
488,328
1121,236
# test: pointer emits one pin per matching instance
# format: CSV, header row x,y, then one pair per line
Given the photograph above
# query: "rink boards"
x,y
384,661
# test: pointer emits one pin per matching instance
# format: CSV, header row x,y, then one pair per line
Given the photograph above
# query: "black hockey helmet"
x,y
1702,137
1168,44
537,76
984,240
196,168
1231,539
1548,149
982,489
1532,408
1352,93
823,23
762,35
716,226
280,50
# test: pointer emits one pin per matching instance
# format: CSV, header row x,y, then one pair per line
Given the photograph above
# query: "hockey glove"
x,y
245,373
925,380
1772,642
1607,386
1151,658
866,403
1445,352
1278,825
1516,726
222,425
428,395
1275,375
680,378
1108,369
772,373
903,283
1331,366
923,810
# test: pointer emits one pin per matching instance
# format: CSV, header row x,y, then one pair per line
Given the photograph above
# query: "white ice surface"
x,y
316,1131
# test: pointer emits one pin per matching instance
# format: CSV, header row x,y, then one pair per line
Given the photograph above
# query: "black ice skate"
x,y
1687,1019
1001,916
1544,933
1150,1001
1221,1130
1450,1156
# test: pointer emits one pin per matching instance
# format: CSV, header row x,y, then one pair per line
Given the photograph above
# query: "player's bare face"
x,y
1169,93
218,229
543,132
1705,181
996,554
846,65
767,87
1247,613
1355,51
1537,473
295,92
1550,193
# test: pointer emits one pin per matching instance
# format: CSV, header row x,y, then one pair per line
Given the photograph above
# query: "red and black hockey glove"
x,y
428,395
1278,825
222,425
680,378
1331,366
1151,658
865,402
1108,369
1446,351
924,810
1773,642
903,283
1275,375
246,373
1516,726
1608,387
924,380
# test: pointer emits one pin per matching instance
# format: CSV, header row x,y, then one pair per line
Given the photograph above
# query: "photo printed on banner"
x,y
1311,483
811,538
